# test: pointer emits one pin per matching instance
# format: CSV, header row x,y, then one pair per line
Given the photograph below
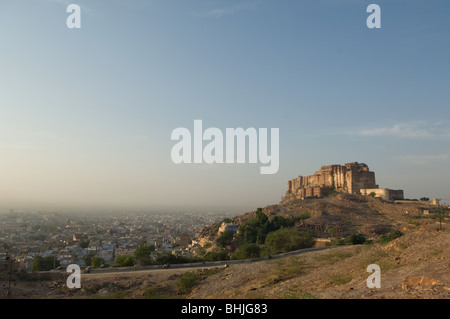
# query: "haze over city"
x,y
86,114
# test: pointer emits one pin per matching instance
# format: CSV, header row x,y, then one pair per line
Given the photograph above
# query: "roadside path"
x,y
194,266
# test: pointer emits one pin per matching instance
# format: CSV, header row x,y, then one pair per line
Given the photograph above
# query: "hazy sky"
x,y
86,114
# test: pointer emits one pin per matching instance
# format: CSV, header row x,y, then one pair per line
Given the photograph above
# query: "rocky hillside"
x,y
416,265
342,215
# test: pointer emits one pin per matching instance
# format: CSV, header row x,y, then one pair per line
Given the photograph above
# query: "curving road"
x,y
193,266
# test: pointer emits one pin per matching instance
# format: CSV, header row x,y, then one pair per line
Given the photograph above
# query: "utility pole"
x,y
440,218
8,257
440,214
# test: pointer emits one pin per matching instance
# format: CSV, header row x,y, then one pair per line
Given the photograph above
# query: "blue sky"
x,y
86,114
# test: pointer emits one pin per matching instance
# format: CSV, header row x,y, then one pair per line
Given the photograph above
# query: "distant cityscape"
x,y
71,237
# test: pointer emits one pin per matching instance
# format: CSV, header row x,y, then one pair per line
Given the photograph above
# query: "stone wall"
x,y
313,192
384,193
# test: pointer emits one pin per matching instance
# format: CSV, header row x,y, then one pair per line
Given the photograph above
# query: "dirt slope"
x,y
416,265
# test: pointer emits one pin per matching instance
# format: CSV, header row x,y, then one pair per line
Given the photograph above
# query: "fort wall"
x,y
384,193
349,178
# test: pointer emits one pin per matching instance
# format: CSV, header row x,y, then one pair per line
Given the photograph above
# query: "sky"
x,y
86,115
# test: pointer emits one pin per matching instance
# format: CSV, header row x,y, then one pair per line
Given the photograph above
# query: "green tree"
x,y
187,281
44,263
124,261
216,255
355,239
87,259
38,263
142,254
300,217
249,250
287,239
254,230
390,236
162,259
261,217
248,232
97,262
84,243
225,239
332,231
278,222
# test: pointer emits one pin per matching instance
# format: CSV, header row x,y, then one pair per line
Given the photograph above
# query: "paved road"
x,y
194,266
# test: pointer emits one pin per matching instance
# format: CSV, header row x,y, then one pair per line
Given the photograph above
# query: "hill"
x,y
415,265
342,215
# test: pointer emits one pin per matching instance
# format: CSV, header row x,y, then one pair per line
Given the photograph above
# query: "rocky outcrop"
x,y
422,283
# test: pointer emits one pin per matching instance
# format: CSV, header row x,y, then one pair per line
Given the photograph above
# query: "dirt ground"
x,y
416,265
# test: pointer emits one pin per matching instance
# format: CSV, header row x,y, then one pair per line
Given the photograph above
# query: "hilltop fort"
x,y
352,178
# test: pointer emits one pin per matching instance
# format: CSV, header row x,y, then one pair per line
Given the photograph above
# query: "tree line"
x,y
261,236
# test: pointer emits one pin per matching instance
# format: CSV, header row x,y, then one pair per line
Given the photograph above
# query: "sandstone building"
x,y
384,193
353,178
